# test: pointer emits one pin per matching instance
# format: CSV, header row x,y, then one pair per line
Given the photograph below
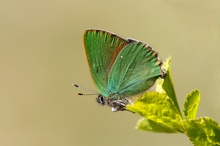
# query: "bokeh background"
x,y
42,54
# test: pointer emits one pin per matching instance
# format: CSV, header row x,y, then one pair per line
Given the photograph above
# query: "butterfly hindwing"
x,y
135,69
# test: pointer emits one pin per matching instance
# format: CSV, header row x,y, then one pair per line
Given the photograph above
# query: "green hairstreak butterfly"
x,y
120,68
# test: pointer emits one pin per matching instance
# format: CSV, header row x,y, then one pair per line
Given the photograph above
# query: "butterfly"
x,y
121,68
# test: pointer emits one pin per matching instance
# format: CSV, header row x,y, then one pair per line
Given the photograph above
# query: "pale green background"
x,y
42,54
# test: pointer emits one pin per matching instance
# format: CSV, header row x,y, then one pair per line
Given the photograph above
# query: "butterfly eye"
x,y
100,100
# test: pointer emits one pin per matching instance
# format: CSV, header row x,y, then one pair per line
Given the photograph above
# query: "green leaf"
x,y
149,125
191,104
166,85
159,108
203,131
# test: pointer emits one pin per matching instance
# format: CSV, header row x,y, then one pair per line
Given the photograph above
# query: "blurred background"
x,y
42,54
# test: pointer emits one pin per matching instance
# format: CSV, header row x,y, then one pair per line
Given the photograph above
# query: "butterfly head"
x,y
100,99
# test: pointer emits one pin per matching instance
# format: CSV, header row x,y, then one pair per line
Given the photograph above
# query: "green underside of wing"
x,y
135,70
120,68
101,49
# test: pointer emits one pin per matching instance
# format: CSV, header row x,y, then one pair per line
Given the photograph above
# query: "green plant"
x,y
161,113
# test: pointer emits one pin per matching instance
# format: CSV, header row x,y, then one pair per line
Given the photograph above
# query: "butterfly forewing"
x,y
102,48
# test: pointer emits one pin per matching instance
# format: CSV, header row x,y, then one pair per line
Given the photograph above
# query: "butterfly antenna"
x,y
77,86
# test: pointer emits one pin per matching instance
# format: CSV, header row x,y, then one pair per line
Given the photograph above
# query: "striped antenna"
x,y
77,86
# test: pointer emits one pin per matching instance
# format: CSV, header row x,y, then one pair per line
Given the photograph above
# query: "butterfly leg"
x,y
128,100
120,105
